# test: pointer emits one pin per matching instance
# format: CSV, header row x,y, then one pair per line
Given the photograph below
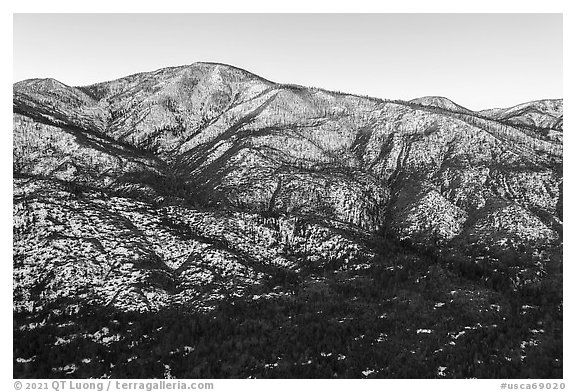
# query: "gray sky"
x,y
477,60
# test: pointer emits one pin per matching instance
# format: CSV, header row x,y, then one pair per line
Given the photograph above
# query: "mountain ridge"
x,y
208,63
201,189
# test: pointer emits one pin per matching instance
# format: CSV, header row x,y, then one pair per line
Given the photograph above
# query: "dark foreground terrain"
x,y
203,222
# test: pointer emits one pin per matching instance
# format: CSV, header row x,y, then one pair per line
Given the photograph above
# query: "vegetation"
x,y
395,318
201,221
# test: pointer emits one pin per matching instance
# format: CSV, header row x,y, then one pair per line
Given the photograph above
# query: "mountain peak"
x,y
40,84
170,209
440,102
543,113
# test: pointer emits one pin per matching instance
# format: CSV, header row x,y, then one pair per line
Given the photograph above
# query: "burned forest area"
x,y
203,222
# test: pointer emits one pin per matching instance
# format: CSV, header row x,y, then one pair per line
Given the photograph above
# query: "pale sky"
x,y
477,60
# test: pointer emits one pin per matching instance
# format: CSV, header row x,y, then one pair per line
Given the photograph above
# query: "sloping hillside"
x,y
207,190
546,113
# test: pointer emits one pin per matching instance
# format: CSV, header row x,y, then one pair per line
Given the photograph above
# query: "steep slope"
x,y
59,104
425,171
546,113
200,186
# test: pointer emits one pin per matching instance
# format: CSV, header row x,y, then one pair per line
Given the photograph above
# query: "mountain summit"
x,y
210,190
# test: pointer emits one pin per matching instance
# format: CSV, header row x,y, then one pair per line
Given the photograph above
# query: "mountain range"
x,y
210,196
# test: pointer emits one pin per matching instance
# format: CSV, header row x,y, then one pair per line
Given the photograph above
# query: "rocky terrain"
x,y
201,221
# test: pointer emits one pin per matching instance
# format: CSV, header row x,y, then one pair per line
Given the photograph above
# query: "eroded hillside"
x,y
205,189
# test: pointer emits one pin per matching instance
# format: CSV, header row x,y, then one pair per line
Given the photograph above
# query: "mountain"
x,y
205,193
546,113
440,102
